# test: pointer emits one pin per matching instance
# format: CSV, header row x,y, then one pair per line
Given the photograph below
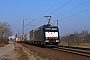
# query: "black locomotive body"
x,y
44,35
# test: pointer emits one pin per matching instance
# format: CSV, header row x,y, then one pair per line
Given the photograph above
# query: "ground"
x,y
21,53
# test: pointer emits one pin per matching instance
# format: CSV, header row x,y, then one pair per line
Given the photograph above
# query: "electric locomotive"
x,y
44,35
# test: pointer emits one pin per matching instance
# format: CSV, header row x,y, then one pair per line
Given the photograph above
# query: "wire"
x,y
75,7
56,9
51,6
43,13
29,23
75,14
47,10
61,7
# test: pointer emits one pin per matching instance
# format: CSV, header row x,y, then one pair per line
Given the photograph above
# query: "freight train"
x,y
44,35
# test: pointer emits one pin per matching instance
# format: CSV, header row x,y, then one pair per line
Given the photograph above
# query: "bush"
x,y
3,40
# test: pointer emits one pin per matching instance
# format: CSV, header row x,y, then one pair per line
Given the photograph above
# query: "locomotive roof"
x,y
44,26
47,25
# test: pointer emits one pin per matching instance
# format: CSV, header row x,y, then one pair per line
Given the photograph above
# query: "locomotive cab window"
x,y
47,28
54,28
51,29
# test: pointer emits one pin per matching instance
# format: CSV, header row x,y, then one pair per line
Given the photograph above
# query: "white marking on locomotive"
x,y
51,34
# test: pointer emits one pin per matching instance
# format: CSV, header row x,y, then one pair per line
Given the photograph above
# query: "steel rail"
x,y
74,50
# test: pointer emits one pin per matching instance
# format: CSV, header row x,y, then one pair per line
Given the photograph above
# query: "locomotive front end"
x,y
52,36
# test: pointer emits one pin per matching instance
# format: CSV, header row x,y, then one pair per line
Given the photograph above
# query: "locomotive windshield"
x,y
51,32
54,28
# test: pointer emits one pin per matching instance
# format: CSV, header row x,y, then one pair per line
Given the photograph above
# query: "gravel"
x,y
53,54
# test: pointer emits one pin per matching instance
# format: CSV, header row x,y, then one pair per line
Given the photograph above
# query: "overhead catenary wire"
x,y
74,8
75,14
56,9
29,23
43,13
65,12
50,7
61,6
47,10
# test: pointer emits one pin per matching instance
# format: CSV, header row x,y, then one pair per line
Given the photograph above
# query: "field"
x,y
85,45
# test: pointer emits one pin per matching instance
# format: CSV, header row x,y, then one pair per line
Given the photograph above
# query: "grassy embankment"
x,y
25,54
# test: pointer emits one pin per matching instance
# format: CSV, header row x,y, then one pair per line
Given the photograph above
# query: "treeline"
x,y
5,31
77,38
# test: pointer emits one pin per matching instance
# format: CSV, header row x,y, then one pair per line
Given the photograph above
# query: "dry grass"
x,y
20,52
86,45
25,54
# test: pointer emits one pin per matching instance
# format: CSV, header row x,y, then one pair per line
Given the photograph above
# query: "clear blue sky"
x,y
13,12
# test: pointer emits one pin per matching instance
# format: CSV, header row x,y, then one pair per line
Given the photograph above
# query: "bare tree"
x,y
77,38
83,35
5,29
88,38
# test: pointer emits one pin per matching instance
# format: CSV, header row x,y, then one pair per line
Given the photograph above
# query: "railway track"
x,y
74,50
60,53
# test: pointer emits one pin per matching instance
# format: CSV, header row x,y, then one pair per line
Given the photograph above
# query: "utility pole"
x,y
49,18
57,22
18,33
23,28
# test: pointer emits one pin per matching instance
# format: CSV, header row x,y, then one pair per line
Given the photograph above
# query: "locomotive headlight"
x,y
46,40
57,40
